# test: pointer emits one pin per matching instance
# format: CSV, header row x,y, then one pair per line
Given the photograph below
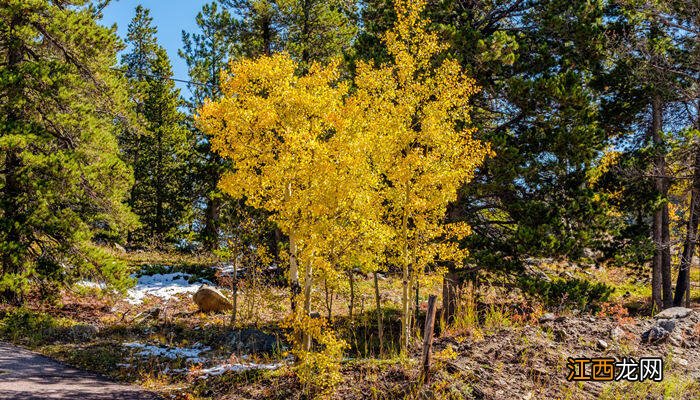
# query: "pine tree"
x,y
651,83
317,30
158,151
259,27
534,62
62,180
206,54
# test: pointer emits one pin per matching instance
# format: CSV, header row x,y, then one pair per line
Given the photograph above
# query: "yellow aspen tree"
x,y
295,155
416,114
275,127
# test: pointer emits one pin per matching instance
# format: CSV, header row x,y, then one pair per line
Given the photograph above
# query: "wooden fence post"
x,y
428,337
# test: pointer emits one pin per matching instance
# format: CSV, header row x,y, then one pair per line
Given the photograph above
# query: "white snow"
x,y
164,286
91,284
191,354
237,367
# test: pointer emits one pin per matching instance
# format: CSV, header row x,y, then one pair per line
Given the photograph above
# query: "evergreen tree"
x,y
534,62
62,182
651,83
159,151
258,26
317,30
206,54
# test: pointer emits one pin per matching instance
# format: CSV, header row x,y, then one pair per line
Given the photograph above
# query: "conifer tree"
x,y
62,182
317,30
159,150
206,54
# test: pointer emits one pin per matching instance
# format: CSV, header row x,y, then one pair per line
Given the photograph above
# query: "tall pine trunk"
x,y
683,282
661,265
450,285
211,222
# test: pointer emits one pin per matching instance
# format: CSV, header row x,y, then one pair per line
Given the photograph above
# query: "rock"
x,y
674,312
682,362
695,375
82,332
549,317
315,314
601,344
676,339
655,334
560,335
252,340
152,313
208,299
617,333
119,248
667,324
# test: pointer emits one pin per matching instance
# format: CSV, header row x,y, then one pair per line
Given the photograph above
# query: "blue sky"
x,y
171,17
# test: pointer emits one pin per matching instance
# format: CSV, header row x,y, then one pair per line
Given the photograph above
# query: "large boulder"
x,y
251,340
82,332
208,299
674,312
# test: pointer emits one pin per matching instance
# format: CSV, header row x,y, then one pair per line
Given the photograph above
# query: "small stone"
x,y
655,334
667,324
548,317
682,362
677,340
559,335
602,344
617,333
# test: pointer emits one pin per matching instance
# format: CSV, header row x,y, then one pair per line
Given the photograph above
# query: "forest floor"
x,y
510,347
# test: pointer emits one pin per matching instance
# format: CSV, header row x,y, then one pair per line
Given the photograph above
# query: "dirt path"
x,y
27,375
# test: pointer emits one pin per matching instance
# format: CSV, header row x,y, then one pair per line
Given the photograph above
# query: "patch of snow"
x,y
164,286
91,284
238,367
191,354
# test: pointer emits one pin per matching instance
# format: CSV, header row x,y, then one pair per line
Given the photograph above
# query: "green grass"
x,y
673,387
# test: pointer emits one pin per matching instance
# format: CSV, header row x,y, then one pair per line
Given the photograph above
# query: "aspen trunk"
x,y
416,309
293,271
308,278
234,289
308,281
329,298
351,306
407,276
428,337
295,287
379,313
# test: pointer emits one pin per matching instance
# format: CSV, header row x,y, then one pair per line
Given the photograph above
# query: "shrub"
x,y
317,367
566,293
